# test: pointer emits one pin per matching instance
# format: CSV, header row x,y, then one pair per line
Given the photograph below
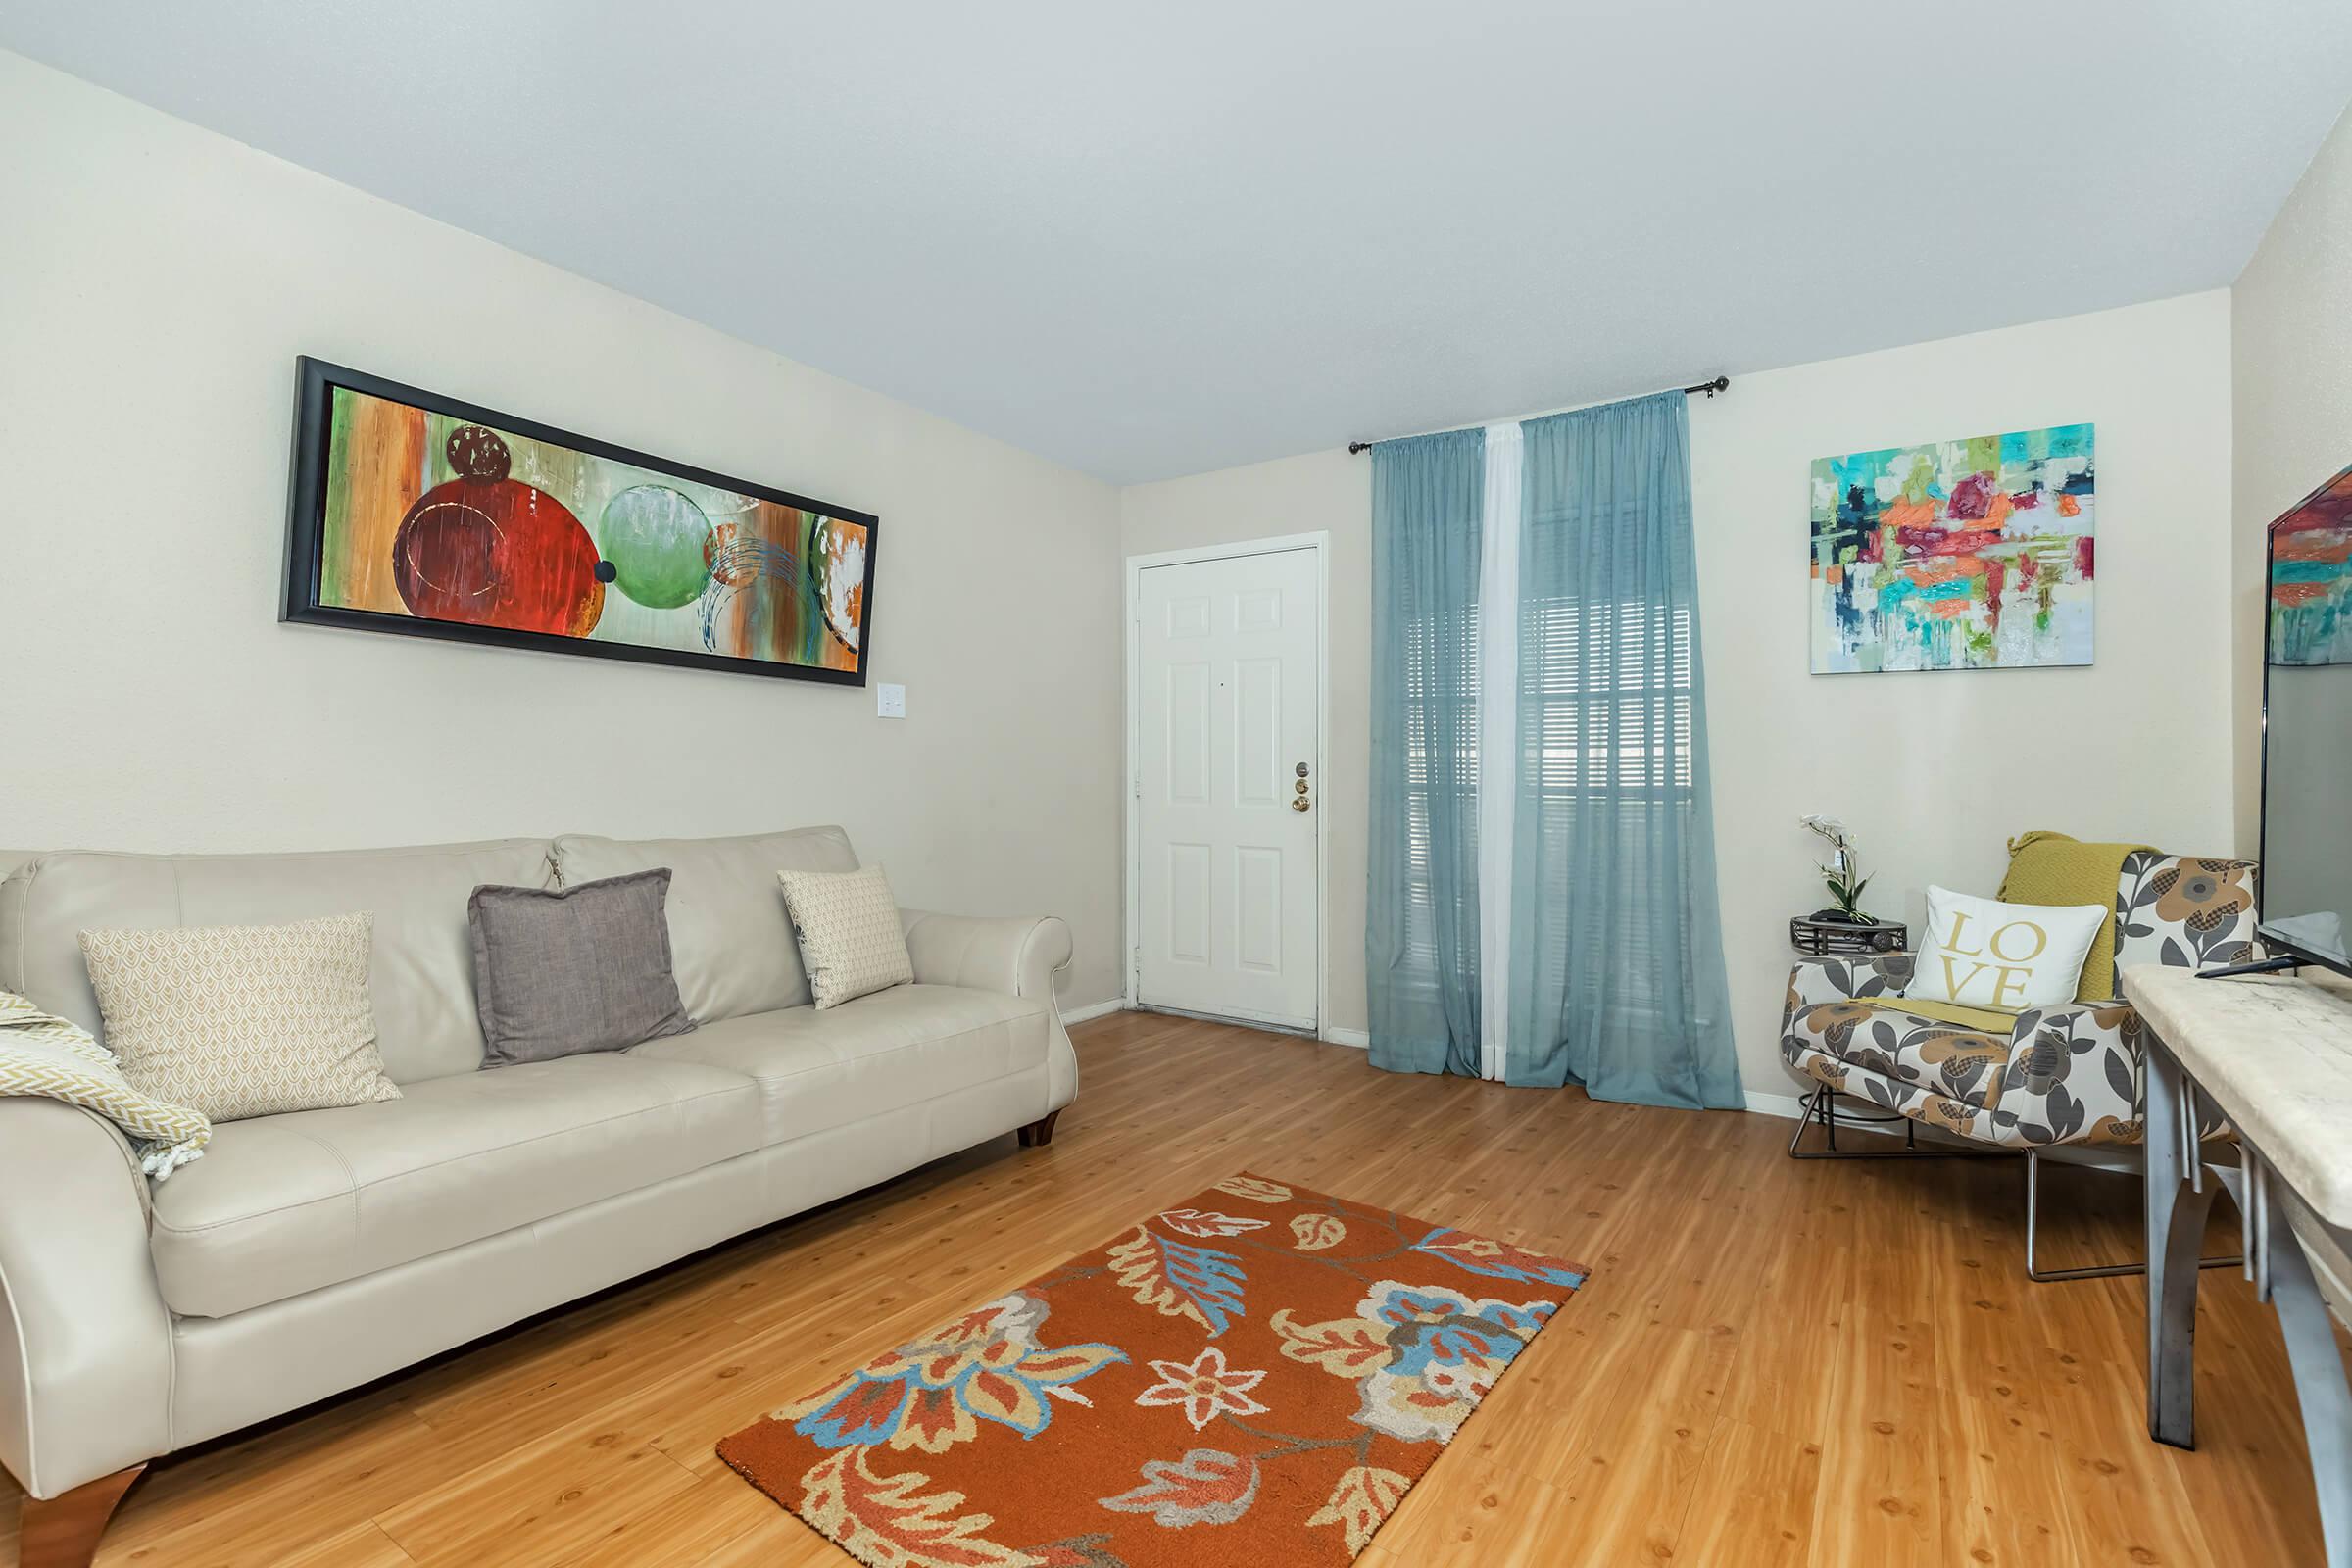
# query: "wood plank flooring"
x,y
1775,1362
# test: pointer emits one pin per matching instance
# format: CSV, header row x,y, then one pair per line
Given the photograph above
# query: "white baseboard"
x,y
1789,1107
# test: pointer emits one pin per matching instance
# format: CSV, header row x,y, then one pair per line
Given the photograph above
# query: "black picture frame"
x,y
306,526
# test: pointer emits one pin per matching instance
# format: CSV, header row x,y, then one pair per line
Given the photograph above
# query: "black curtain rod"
x,y
1722,384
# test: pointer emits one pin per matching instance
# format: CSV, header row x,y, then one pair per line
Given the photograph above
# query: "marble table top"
x,y
2275,1053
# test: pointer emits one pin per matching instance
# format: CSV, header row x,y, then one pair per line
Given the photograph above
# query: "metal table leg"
x,y
2177,1198
2282,1275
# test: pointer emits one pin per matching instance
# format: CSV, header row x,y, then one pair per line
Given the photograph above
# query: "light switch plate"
x,y
890,700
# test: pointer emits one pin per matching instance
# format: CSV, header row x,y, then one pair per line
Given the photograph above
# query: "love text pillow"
x,y
2011,957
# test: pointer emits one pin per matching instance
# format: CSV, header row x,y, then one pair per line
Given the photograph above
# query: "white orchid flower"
x,y
1839,870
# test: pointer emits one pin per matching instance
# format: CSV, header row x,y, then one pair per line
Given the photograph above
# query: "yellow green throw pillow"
x,y
2052,868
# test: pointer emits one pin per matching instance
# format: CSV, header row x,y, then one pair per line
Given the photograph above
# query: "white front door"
x,y
1228,662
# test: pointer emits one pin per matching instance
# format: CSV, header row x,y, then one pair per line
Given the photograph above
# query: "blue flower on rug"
x,y
1430,1328
1420,1355
987,1365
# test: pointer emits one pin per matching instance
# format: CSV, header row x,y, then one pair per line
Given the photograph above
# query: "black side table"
x,y
1833,938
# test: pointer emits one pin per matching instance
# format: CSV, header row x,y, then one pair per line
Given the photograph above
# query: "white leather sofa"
x,y
305,1255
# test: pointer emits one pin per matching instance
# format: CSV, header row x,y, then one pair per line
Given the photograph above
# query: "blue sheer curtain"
x,y
1421,958
1616,973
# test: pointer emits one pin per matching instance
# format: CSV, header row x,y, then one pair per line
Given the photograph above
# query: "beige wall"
x,y
2291,397
160,282
1934,771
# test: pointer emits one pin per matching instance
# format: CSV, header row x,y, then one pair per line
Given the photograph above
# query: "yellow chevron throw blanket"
x,y
1986,1021
2052,868
43,1054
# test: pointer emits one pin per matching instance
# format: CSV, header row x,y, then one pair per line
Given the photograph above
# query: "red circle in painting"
x,y
497,552
444,556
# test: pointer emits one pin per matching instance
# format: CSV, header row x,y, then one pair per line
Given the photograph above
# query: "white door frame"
x,y
1320,542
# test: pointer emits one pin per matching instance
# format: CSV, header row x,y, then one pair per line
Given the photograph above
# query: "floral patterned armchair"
x,y
2066,1074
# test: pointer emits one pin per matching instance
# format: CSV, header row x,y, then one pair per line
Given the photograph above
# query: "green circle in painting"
x,y
659,543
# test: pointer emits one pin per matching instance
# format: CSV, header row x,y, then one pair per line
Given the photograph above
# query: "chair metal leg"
x,y
2043,1276
1821,1109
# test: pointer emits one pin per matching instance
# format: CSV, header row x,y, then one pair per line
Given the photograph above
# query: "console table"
x,y
2275,1057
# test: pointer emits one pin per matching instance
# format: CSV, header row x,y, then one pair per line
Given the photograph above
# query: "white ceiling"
x,y
1153,240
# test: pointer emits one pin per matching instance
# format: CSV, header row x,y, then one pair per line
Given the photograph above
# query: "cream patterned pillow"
x,y
851,939
242,1020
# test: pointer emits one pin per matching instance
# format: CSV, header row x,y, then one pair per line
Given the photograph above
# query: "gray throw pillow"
x,y
557,973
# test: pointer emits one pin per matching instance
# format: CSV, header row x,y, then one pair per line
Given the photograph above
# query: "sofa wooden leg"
x,y
1038,1133
63,1532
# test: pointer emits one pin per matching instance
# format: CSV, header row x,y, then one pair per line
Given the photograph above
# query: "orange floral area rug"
x,y
1253,1377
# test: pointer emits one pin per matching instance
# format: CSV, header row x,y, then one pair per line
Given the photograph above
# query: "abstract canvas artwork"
x,y
418,514
2311,578
1973,554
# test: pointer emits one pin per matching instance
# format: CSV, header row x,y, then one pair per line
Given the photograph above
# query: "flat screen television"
x,y
2307,729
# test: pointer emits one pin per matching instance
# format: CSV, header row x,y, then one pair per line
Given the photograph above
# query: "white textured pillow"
x,y
242,1020
2011,957
851,939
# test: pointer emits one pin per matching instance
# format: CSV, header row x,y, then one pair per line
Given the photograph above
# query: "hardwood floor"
x,y
1775,1362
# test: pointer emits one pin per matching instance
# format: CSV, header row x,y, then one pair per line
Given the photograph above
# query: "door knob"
x,y
1297,803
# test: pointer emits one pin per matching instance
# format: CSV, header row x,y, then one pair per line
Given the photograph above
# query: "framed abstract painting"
x,y
2311,578
424,516
1973,554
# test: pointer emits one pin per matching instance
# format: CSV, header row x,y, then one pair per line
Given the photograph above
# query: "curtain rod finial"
x,y
1720,383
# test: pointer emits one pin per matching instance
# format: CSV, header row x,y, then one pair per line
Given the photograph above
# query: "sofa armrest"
x,y
86,1339
1018,955
1877,974
2074,1074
